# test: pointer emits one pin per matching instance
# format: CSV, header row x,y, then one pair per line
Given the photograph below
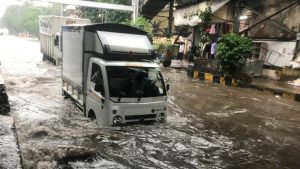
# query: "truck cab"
x,y
118,82
124,92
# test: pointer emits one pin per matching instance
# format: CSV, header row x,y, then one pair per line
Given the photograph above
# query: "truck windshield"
x,y
134,82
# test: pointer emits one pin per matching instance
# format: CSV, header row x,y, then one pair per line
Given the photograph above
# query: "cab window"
x,y
97,79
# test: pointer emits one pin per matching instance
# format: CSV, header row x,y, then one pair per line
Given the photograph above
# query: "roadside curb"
x,y
11,154
279,92
211,78
229,81
18,144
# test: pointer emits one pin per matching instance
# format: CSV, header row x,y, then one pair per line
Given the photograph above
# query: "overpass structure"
x,y
133,8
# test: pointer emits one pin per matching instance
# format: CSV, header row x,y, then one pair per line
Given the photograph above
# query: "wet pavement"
x,y
9,151
278,86
209,126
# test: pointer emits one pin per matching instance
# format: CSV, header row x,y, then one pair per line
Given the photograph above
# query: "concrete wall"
x,y
162,19
289,18
222,13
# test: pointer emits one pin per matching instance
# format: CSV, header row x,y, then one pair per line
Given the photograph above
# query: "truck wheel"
x,y
54,62
91,115
44,57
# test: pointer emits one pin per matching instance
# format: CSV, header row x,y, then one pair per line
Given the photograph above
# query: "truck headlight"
x,y
117,120
161,117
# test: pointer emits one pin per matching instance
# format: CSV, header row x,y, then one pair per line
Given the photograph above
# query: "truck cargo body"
x,y
106,70
50,29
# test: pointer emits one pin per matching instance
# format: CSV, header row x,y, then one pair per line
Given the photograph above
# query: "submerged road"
x,y
209,126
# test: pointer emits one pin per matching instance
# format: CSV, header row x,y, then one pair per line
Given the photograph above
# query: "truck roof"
x,y
116,42
108,27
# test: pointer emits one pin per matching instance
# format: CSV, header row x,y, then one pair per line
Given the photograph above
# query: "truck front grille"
x,y
140,117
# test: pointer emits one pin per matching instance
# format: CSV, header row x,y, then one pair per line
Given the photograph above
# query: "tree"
x,y
232,52
106,15
12,20
142,24
25,18
205,17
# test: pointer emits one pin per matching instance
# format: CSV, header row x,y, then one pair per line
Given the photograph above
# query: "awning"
x,y
183,16
153,7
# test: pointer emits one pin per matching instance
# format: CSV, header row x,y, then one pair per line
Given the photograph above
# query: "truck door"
x,y
95,93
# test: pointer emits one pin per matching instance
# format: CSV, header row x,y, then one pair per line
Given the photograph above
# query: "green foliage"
x,y
142,24
205,17
232,51
106,15
166,48
25,18
160,48
163,46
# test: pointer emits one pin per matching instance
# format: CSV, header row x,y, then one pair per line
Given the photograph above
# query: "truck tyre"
x,y
91,115
44,57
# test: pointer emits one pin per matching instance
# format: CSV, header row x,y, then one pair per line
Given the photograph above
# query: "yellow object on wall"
x,y
196,75
208,77
222,80
234,83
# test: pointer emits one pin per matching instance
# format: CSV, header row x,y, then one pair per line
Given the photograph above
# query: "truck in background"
x,y
50,39
108,70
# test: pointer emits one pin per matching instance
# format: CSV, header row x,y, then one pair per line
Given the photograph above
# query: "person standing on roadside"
x,y
213,49
181,50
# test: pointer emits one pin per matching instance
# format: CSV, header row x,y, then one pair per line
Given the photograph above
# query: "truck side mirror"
x,y
168,87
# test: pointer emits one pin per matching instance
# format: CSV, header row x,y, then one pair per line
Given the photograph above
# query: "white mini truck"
x,y
107,70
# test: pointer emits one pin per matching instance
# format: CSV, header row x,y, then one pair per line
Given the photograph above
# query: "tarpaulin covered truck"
x,y
50,28
108,70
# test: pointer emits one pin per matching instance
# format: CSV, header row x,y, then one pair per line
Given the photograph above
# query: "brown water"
x,y
209,126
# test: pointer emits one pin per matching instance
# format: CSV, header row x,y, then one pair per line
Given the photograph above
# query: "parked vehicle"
x,y
50,28
108,70
4,103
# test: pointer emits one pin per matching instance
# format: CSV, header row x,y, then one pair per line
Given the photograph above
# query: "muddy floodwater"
x,y
209,126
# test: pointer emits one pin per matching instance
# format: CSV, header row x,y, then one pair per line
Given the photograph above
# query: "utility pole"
x,y
237,13
135,13
61,9
170,23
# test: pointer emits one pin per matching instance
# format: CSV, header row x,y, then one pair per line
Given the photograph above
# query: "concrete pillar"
x,y
170,23
237,13
135,13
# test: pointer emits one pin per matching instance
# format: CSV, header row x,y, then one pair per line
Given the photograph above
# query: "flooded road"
x,y
209,126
